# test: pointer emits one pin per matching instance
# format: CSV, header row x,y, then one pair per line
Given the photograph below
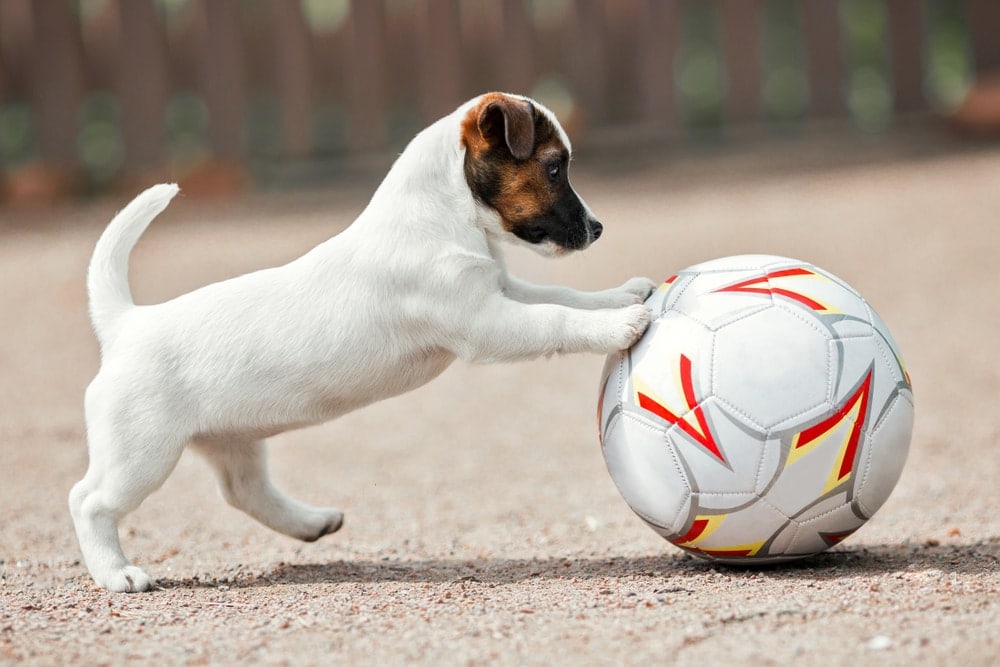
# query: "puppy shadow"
x,y
843,562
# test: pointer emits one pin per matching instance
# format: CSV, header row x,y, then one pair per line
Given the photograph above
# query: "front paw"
x,y
126,579
638,288
630,323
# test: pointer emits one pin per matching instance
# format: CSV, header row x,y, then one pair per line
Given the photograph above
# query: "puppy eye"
x,y
554,170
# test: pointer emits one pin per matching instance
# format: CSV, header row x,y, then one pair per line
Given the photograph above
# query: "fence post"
x,y
142,83
364,74
587,64
741,51
658,21
223,85
514,52
292,77
984,29
56,82
3,71
821,37
906,42
439,59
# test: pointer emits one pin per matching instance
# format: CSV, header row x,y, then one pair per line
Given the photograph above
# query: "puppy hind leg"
x,y
120,475
241,469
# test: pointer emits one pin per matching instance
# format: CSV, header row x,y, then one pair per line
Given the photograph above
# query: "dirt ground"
x,y
482,527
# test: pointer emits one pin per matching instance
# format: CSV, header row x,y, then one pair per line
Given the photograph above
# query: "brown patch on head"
x,y
515,162
502,119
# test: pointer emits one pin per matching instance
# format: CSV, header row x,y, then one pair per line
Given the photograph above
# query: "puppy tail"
x,y
107,277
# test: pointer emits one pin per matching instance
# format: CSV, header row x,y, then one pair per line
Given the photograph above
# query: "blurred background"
x,y
860,135
224,95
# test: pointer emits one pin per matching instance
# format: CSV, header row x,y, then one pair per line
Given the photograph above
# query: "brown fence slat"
x,y
142,82
906,42
16,43
4,76
439,58
821,39
621,19
740,21
222,81
56,81
658,42
292,76
585,51
984,28
514,51
365,73
184,29
100,41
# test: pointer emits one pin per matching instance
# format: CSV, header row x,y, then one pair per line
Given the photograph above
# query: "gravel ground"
x,y
482,527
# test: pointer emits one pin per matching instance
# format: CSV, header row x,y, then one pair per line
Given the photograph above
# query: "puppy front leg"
x,y
241,469
632,291
506,330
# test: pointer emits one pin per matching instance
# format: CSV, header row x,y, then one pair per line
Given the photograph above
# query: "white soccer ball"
x,y
764,416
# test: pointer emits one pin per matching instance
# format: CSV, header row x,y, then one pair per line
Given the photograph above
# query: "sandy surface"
x,y
482,527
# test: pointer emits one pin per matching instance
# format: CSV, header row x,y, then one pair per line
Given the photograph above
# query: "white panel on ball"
x,y
645,470
772,366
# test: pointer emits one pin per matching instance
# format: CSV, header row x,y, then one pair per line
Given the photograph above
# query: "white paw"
x,y
635,290
128,579
640,288
630,323
327,520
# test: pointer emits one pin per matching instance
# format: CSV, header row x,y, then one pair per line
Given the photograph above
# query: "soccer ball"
x,y
764,416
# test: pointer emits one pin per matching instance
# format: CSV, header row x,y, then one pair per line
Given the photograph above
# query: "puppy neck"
x,y
430,166
426,188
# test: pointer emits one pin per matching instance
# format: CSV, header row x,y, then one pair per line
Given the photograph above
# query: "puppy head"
x,y
516,163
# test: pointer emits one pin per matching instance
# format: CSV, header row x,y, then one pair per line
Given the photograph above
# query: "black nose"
x,y
597,228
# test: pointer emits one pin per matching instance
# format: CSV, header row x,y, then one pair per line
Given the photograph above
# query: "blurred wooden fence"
x,y
112,87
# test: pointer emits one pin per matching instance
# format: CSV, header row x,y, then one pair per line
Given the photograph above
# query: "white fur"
x,y
416,281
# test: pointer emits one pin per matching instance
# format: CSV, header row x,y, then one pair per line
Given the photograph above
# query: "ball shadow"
x,y
843,562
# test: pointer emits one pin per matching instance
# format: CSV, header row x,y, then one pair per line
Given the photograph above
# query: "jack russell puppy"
x,y
383,307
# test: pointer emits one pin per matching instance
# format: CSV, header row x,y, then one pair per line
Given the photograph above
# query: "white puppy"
x,y
416,281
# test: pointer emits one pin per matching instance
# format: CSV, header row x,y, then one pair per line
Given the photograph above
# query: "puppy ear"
x,y
511,121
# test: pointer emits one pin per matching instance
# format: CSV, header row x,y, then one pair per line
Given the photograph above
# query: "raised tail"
x,y
107,277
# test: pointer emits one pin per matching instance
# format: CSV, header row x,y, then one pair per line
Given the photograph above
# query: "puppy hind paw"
x,y
334,521
128,579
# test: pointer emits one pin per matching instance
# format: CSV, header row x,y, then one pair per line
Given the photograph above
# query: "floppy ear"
x,y
510,121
